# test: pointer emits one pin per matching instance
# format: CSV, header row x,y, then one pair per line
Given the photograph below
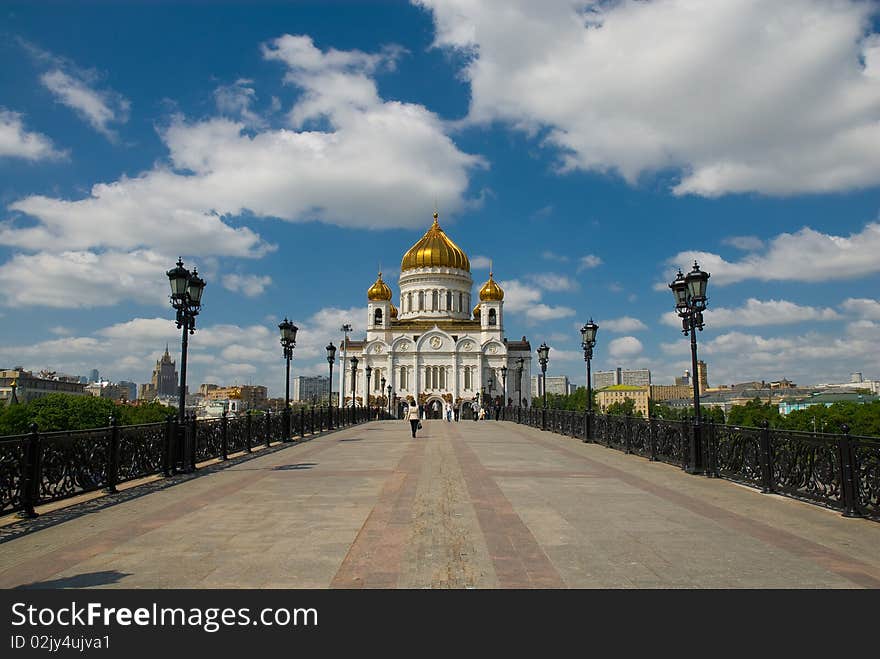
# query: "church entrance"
x,y
434,408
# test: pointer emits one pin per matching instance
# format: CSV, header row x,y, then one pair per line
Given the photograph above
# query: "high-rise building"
x,y
164,380
684,380
640,377
556,384
702,376
94,376
307,389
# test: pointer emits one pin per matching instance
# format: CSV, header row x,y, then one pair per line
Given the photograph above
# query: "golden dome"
x,y
393,311
379,291
491,291
435,249
476,312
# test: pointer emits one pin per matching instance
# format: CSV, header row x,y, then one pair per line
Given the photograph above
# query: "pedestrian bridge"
x,y
489,504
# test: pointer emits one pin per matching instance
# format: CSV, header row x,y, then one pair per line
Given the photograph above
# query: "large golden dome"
x,y
491,291
476,312
379,291
435,249
393,311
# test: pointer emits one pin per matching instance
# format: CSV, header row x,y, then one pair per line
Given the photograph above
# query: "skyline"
x,y
290,151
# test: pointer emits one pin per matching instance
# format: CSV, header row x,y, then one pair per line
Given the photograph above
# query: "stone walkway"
x,y
466,505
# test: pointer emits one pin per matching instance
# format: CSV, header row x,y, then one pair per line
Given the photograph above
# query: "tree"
x,y
753,413
626,407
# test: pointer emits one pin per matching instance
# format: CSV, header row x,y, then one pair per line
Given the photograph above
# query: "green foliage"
x,y
709,414
753,413
626,407
576,401
65,412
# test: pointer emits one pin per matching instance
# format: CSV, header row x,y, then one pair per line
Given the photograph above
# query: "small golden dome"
x,y
379,291
491,291
476,312
393,311
435,249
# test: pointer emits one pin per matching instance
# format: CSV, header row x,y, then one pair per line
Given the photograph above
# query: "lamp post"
x,y
690,302
520,363
381,392
186,299
389,398
354,369
288,343
331,358
543,358
368,371
504,384
491,385
588,342
345,329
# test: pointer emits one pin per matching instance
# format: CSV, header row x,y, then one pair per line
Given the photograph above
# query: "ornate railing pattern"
x,y
838,471
37,468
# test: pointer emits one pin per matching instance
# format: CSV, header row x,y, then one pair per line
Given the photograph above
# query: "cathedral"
x,y
434,348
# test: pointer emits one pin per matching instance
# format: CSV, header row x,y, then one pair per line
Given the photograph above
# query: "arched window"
x,y
467,378
448,300
433,300
403,385
442,378
377,317
409,302
421,300
492,317
460,304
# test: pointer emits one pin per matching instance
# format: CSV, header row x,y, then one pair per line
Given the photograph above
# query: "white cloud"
x,y
622,324
61,330
806,255
550,281
480,262
745,243
77,279
249,285
755,313
766,96
588,261
362,152
235,100
526,299
553,256
546,312
864,307
625,346
99,108
16,142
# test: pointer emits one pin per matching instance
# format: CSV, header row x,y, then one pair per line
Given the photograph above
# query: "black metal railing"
x,y
839,471
40,467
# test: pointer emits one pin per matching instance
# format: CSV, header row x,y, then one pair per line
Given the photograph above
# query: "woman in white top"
x,y
412,413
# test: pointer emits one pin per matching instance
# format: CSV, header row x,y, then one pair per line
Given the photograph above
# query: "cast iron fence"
x,y
39,467
839,471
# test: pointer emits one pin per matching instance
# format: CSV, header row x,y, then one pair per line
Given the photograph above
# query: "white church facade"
x,y
435,348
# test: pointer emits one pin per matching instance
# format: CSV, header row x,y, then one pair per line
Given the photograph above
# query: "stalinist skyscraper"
x,y
164,380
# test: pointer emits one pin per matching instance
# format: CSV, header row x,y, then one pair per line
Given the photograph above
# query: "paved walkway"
x,y
466,505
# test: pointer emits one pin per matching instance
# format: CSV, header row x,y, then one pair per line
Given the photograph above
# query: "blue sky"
x,y
588,149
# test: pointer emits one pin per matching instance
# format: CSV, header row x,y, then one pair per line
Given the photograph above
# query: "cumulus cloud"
x,y
588,261
550,281
622,324
17,142
864,307
755,313
624,346
707,88
806,255
480,262
357,152
98,108
745,243
525,299
236,101
249,285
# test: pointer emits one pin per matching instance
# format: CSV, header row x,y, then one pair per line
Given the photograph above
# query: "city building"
x,y
684,380
556,384
94,376
618,393
824,398
252,397
702,375
28,386
104,389
164,380
435,347
310,389
206,388
664,392
640,377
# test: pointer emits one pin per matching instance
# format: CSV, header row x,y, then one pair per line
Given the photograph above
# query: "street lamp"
x,y
389,398
690,302
345,329
520,364
288,343
331,358
354,368
504,384
186,299
381,391
588,342
368,371
543,358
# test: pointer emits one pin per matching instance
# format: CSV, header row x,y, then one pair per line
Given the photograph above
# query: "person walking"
x,y
412,413
475,408
447,409
482,413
